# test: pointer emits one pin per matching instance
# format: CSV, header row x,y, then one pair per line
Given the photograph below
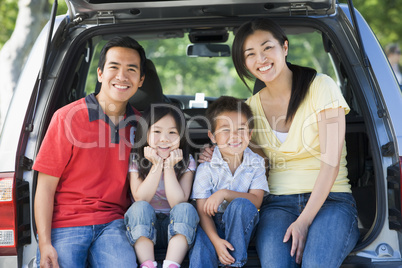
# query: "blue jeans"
x,y
331,237
235,225
102,245
141,220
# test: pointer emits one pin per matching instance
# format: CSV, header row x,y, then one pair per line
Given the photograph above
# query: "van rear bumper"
x,y
9,261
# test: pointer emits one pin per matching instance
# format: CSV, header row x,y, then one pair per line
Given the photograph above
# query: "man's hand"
x,y
221,247
48,257
213,202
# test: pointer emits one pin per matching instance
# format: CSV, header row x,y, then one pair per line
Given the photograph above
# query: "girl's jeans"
x,y
236,225
331,237
101,245
141,220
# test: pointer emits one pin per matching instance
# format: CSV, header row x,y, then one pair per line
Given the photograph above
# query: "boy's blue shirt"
x,y
216,175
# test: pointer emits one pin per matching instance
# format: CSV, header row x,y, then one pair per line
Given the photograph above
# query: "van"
x,y
188,43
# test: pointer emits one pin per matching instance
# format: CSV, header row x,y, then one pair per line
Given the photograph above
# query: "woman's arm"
x,y
331,127
206,153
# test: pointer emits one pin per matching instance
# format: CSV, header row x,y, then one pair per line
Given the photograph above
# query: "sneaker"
x,y
173,266
148,264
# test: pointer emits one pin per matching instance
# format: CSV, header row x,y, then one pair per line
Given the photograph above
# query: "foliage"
x,y
9,13
382,15
183,75
384,18
8,16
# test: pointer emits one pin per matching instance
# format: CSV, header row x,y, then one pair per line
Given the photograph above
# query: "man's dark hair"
x,y
122,41
228,104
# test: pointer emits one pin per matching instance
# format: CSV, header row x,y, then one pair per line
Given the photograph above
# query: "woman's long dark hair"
x,y
302,76
150,116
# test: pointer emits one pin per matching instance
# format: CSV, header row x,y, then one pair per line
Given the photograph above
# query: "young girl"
x,y
161,177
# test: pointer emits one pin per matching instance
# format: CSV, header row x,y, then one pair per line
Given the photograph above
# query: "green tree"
x,y
384,17
8,16
21,23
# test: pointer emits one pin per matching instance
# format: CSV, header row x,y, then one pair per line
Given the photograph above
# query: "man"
x,y
82,190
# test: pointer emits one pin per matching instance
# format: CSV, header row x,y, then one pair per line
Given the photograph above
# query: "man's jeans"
x,y
102,245
235,225
331,236
141,220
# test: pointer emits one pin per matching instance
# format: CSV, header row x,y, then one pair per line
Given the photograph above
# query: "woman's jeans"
x,y
101,245
141,220
235,225
331,237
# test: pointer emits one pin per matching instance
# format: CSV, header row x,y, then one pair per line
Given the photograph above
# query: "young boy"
x,y
229,189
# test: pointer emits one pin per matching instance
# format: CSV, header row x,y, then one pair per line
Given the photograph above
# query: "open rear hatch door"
x,y
126,10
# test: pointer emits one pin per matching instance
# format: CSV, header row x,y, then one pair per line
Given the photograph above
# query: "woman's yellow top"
x,y
295,163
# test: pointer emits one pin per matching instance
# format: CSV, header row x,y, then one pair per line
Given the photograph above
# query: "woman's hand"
x,y
152,156
298,231
206,153
175,157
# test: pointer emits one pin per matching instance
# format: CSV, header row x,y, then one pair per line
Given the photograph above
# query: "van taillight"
x,y
8,212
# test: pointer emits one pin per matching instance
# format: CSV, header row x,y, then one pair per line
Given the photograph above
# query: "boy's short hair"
x,y
228,104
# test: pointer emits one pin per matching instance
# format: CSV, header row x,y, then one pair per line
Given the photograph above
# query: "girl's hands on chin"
x,y
152,156
206,153
175,157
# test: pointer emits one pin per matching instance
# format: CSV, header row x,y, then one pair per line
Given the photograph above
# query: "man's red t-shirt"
x,y
90,155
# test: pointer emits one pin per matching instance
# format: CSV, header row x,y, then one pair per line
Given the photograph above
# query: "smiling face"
x,y
264,56
121,76
164,136
232,134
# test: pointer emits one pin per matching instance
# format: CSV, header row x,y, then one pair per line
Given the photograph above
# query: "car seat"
x,y
151,90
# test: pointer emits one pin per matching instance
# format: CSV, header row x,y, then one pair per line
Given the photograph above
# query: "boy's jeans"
x,y
330,238
141,220
236,225
102,245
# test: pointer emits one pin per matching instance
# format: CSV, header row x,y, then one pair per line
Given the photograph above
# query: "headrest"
x,y
151,90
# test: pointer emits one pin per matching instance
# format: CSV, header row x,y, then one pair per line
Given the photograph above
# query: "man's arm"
x,y
44,202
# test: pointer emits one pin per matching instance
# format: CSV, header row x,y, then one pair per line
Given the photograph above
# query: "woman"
x,y
310,216
300,116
